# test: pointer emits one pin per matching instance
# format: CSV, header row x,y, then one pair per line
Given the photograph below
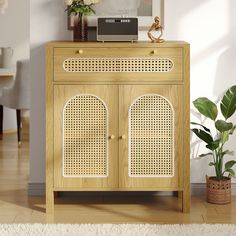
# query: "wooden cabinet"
x,y
117,118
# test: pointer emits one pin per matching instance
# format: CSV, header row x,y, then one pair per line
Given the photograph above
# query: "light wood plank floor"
x,y
17,207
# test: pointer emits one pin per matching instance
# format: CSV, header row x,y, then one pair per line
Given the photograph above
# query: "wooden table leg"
x,y
1,121
18,119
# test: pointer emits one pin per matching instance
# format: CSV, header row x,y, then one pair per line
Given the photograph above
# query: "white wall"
x,y
14,32
47,23
209,25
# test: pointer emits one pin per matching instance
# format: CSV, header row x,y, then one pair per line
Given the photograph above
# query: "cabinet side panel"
x,y
49,129
186,192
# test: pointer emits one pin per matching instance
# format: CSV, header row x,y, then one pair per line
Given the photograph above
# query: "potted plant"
x,y
219,186
77,11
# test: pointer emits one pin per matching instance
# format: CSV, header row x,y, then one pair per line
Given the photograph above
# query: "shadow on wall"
x,y
48,23
54,16
225,77
226,66
37,118
180,12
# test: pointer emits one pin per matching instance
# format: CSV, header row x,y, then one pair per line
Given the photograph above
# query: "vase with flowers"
x,y
78,10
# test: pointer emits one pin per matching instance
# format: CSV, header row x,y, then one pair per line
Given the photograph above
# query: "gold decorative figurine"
x,y
156,26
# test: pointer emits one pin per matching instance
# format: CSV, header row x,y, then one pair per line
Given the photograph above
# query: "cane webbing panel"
x,y
151,137
118,65
85,137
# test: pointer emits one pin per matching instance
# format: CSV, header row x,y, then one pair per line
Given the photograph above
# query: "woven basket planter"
x,y
218,192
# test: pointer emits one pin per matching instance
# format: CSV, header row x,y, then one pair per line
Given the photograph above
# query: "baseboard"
x,y
9,131
197,189
36,189
200,189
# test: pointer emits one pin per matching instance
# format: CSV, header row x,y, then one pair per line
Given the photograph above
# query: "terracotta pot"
x,y
218,191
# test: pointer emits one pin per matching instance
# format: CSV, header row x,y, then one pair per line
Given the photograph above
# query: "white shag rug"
x,y
117,230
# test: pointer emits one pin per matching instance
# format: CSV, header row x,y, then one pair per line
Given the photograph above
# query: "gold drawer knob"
x,y
123,137
154,52
80,51
111,136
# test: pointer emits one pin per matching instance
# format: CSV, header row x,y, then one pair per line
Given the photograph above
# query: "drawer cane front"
x,y
85,125
117,64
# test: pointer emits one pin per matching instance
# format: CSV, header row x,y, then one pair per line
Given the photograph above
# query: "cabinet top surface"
x,y
117,44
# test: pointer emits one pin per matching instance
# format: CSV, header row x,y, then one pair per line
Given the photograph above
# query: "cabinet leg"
x,y
50,202
184,201
180,200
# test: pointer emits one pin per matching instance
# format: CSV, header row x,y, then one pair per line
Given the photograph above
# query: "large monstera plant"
x,y
216,141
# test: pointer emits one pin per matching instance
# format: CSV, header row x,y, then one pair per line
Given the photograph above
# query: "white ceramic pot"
x,y
6,57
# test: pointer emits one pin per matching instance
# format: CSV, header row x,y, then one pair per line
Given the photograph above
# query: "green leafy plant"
x,y
80,7
223,130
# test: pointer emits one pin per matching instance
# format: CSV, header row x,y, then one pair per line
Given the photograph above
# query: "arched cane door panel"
x,y
85,126
151,137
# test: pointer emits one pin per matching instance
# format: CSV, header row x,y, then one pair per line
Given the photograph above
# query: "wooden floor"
x,y
17,207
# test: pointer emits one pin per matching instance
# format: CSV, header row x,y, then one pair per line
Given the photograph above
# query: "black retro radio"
x,y
117,29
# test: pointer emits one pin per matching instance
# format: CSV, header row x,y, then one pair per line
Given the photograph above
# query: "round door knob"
x,y
123,137
112,136
80,51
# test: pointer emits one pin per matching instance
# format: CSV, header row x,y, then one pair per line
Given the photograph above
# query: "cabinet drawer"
x,y
117,64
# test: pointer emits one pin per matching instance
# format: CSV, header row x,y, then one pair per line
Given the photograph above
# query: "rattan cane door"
x,y
151,129
85,137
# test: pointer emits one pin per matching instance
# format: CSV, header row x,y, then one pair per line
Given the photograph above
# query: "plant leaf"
x,y
206,107
206,154
222,125
78,7
232,130
204,127
213,145
231,172
229,164
211,164
225,137
206,137
228,152
228,102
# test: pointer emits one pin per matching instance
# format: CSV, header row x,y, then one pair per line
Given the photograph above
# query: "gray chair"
x,y
17,96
